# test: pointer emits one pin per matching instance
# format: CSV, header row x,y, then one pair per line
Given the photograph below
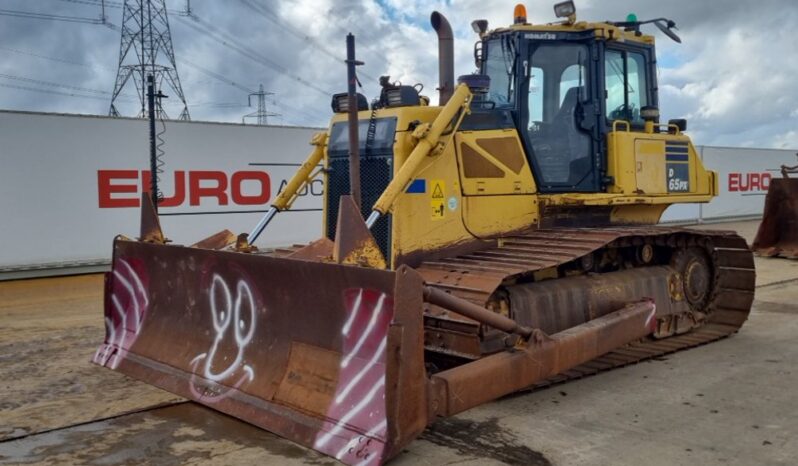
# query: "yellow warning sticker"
x,y
437,209
437,202
438,189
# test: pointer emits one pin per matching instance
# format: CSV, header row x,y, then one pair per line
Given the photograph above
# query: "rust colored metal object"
x,y
216,241
786,170
337,367
464,387
150,223
778,232
472,311
354,244
319,250
476,276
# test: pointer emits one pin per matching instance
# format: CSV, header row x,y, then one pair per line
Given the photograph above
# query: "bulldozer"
x,y
778,232
502,240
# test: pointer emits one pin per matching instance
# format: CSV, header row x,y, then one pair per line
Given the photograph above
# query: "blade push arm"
x,y
288,195
428,137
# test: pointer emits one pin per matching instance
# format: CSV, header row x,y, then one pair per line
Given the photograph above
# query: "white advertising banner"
x,y
71,183
744,176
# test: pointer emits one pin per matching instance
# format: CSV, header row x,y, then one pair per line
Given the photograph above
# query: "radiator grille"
x,y
375,174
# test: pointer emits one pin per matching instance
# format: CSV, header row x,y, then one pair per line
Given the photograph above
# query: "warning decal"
x,y
438,201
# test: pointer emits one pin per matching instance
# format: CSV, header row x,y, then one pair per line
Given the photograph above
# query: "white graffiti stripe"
x,y
374,318
123,333
353,313
137,281
129,287
371,433
322,441
369,365
650,319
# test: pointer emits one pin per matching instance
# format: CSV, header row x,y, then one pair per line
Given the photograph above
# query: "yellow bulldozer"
x,y
502,240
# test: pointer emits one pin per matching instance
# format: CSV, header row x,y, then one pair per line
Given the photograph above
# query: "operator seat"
x,y
572,143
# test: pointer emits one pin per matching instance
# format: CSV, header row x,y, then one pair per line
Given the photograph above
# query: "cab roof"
x,y
605,31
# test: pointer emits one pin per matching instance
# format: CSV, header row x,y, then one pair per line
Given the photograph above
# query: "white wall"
x,y
51,168
51,165
744,175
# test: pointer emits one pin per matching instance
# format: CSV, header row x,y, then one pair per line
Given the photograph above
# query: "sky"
x,y
734,77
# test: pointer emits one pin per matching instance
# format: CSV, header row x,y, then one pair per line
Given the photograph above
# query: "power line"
x,y
233,83
50,91
59,60
274,18
99,3
230,42
47,16
216,76
52,84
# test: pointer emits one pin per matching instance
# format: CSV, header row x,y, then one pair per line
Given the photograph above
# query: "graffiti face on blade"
x,y
233,316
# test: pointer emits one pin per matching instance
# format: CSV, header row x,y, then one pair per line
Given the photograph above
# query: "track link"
x,y
476,276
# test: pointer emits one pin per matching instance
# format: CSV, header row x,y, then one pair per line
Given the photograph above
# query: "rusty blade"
x,y
778,232
326,355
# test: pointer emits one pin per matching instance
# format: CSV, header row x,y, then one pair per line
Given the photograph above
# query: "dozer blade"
x,y
329,356
778,232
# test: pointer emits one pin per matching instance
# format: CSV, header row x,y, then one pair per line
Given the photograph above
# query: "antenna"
x,y
146,49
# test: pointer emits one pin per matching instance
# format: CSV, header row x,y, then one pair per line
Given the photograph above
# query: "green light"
x,y
631,18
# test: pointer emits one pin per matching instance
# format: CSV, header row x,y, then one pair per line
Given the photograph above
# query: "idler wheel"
x,y
697,278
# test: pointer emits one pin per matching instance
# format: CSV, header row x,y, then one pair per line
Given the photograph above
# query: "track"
x,y
476,276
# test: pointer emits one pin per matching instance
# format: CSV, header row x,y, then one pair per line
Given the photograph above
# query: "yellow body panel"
x,y
460,205
650,176
640,166
493,162
416,227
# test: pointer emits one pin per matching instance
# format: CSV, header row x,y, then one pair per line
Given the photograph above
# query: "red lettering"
x,y
106,188
745,186
765,182
258,199
755,177
734,182
180,188
197,191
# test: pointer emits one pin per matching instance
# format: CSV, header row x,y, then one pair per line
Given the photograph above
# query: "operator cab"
x,y
565,85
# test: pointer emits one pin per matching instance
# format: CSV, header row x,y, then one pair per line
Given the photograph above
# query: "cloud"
x,y
732,77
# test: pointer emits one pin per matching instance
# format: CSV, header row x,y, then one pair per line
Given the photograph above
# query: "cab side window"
x,y
625,85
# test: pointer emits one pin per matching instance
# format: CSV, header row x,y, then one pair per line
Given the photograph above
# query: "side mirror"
x,y
680,123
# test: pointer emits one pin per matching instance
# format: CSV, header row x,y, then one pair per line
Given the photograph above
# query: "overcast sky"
x,y
734,77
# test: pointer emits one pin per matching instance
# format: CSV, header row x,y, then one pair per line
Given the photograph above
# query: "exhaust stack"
x,y
445,56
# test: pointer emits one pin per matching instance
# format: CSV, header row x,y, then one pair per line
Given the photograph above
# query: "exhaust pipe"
x,y
445,56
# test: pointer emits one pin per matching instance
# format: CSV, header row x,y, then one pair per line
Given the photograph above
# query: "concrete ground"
x,y
732,402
